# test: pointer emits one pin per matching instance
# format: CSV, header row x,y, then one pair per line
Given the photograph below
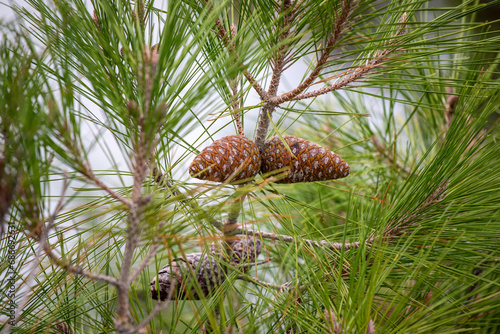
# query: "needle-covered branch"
x,y
290,239
142,144
348,77
341,25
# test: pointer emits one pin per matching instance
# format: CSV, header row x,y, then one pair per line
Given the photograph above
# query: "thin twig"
x,y
349,76
259,282
142,155
251,264
287,238
352,75
145,262
341,24
89,174
278,64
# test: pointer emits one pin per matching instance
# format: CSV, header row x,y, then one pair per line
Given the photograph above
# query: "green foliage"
x,y
82,94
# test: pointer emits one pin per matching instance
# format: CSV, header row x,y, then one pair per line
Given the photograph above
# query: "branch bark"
x,y
287,238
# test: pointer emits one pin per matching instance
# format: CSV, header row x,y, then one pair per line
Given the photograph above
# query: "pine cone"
x,y
219,161
193,273
311,162
203,270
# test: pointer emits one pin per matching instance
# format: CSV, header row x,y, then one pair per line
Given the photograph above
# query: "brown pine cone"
x,y
230,155
311,162
177,279
196,269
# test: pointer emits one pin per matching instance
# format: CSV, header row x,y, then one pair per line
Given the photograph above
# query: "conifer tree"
x,y
276,166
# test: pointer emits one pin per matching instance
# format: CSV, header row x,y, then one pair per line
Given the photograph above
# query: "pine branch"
x,y
273,100
288,11
142,156
341,24
236,105
89,174
290,239
278,65
348,77
258,282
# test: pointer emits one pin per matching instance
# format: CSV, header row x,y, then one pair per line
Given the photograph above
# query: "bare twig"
x,y
159,307
348,77
287,238
89,174
145,262
259,282
251,264
236,105
143,151
341,23
278,64
279,61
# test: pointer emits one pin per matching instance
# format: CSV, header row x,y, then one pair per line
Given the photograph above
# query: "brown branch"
x,y
89,174
287,238
279,61
278,65
259,282
341,23
349,77
145,262
236,104
159,307
352,76
143,151
258,88
263,124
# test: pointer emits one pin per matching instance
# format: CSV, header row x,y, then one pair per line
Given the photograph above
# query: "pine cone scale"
x,y
310,162
230,155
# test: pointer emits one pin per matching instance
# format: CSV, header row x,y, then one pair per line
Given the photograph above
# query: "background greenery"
x,y
423,197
